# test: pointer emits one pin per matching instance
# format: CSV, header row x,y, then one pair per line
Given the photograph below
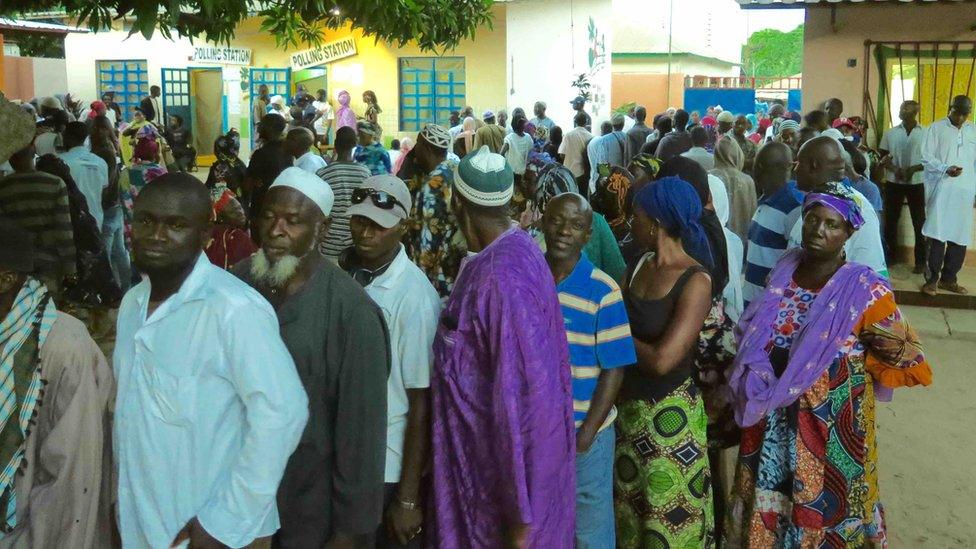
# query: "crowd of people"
x,y
500,335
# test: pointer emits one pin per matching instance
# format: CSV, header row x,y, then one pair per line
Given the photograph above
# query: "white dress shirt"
x,y
411,308
574,149
208,410
90,173
311,162
905,149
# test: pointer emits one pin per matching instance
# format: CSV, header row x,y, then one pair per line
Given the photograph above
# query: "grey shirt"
x,y
673,144
341,347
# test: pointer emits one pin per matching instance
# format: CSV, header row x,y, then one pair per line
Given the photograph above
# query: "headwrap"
x,y
366,127
468,128
787,124
152,173
707,121
674,203
344,116
553,180
227,146
717,261
484,178
98,108
839,198
833,133
147,132
308,184
755,387
728,154
406,145
222,199
611,199
647,162
17,129
436,136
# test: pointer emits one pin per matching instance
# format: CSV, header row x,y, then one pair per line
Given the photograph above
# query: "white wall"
x,y
549,45
81,51
50,76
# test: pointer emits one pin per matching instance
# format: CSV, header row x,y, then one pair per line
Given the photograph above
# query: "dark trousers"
x,y
383,540
945,259
896,194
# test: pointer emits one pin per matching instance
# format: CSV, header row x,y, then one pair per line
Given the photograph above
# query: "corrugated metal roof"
x,y
22,25
758,4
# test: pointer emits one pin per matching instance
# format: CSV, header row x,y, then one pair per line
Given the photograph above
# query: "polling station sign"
x,y
326,53
223,56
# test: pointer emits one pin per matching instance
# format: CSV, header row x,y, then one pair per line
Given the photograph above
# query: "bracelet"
x,y
408,505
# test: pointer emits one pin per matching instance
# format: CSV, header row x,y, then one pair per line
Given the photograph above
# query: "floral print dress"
x,y
807,473
434,241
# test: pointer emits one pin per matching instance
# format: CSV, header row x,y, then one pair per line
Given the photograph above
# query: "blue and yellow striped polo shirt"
x,y
597,329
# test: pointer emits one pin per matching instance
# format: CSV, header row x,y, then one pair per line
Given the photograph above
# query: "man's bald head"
x,y
820,161
567,226
181,188
773,166
566,200
960,109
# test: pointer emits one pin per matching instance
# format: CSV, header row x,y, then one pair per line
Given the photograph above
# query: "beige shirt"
x,y
63,489
574,149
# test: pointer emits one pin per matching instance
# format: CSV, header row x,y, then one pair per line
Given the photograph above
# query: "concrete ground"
x,y
926,443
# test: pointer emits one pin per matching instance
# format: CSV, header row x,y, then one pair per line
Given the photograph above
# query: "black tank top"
x,y
649,319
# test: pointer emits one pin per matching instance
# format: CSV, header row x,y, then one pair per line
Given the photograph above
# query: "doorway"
x,y
206,111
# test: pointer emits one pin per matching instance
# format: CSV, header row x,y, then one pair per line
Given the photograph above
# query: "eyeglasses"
x,y
381,199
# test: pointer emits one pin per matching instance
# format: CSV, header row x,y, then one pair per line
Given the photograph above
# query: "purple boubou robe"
x,y
503,436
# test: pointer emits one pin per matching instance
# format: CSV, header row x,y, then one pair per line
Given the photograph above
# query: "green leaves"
x,y
436,25
770,52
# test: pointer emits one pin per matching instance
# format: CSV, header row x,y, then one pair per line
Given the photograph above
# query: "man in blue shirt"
x,y
778,211
600,344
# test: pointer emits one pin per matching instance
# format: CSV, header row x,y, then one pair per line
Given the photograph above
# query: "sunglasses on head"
x,y
381,199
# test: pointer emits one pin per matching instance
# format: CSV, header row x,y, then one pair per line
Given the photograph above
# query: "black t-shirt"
x,y
265,166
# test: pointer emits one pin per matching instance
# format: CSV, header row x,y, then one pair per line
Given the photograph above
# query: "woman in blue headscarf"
x,y
661,422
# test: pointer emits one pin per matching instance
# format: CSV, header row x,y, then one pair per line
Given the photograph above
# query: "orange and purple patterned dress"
x,y
807,473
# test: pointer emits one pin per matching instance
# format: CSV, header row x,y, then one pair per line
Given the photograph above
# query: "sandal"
x,y
930,289
953,287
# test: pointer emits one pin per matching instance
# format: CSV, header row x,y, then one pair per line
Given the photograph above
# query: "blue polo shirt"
x,y
597,329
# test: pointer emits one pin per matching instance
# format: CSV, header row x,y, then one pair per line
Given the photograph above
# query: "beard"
x,y
273,275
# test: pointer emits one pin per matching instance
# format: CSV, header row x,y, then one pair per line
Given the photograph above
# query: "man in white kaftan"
x,y
949,159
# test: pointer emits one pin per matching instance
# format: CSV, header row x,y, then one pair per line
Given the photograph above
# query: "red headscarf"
x,y
97,109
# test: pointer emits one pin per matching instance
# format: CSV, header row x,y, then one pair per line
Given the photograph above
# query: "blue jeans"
x,y
113,235
595,526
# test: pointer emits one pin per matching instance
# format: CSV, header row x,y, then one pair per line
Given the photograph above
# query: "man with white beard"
x,y
332,491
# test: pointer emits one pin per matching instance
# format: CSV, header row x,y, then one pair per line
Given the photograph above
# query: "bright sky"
x,y
780,19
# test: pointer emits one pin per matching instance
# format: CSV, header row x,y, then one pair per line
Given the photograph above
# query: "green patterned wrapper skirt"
x,y
662,486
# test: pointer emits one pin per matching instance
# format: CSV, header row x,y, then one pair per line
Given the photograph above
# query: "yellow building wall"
x,y
375,67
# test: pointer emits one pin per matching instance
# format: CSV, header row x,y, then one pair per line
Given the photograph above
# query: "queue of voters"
x,y
664,331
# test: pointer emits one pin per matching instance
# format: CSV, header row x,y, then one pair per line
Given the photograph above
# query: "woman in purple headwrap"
x,y
815,351
662,495
344,115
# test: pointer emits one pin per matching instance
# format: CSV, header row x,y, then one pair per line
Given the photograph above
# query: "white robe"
x,y
949,200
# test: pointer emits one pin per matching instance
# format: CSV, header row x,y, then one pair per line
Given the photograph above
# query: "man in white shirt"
x,y
324,117
209,404
949,157
819,162
539,109
596,153
411,307
573,147
901,147
298,143
698,152
88,170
